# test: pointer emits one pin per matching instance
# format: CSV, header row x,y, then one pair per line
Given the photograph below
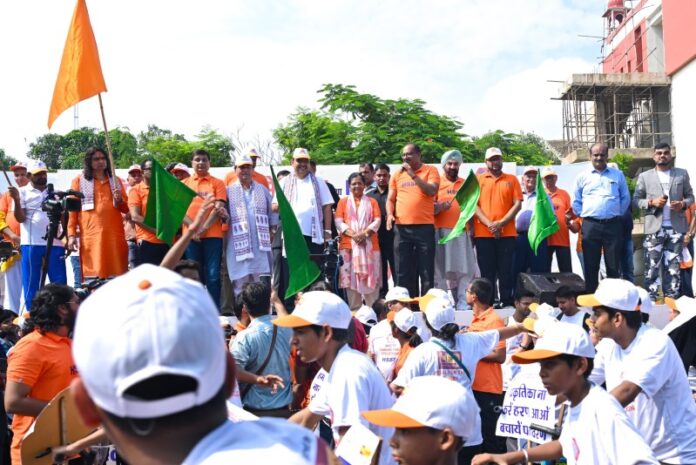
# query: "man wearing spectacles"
x,y
663,194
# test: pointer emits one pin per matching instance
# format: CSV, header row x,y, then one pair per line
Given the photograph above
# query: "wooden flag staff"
x,y
116,185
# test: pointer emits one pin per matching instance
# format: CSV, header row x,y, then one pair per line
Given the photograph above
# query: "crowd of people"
x,y
175,382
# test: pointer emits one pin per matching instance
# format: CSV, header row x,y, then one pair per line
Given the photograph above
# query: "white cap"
x,y
318,308
405,319
366,315
439,312
243,160
253,153
18,165
530,169
558,338
493,152
433,402
686,306
36,166
614,293
431,294
300,152
134,168
144,324
398,293
646,305
548,171
181,167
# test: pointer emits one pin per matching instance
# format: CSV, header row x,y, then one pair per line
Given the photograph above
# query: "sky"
x,y
243,66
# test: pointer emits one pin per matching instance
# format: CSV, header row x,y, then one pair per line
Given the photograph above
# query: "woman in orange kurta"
x,y
103,249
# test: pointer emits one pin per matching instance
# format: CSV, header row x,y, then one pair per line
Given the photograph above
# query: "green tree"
x,y
523,149
219,146
49,149
6,161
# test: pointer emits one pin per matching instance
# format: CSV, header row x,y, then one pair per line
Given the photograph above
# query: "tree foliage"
x,y
6,161
351,127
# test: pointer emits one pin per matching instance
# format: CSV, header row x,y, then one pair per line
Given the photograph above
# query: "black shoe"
x,y
498,305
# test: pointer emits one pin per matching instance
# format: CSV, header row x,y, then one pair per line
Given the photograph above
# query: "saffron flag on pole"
x,y
467,197
167,203
543,222
303,271
80,74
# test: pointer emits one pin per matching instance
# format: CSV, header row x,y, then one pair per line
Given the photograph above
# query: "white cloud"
x,y
231,63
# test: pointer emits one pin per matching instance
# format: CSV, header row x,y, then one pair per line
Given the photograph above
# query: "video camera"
x,y
331,262
58,202
6,250
91,284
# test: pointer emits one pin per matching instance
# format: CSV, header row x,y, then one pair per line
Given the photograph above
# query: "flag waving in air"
x,y
80,75
543,222
303,271
467,196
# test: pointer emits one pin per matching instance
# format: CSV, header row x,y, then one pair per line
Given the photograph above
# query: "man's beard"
x,y
40,182
69,322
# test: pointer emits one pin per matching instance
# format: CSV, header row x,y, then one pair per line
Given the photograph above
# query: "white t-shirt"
x,y
383,348
34,228
577,319
317,403
303,201
353,386
266,440
512,346
663,177
664,412
430,359
597,431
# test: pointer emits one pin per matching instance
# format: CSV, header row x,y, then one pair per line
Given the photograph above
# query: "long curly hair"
x,y
44,308
87,171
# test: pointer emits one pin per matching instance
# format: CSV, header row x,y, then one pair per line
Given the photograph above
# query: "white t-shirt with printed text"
x,y
304,201
383,348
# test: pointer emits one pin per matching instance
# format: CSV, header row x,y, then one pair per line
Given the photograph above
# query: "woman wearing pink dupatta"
x,y
357,221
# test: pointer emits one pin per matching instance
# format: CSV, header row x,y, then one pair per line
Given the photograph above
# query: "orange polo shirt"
x,y
561,204
346,243
206,185
231,177
43,362
7,206
489,375
413,206
137,197
496,199
448,189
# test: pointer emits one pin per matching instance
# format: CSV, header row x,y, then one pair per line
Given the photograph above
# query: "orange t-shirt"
x,y
7,206
561,204
256,176
206,185
44,362
137,197
448,189
413,206
401,359
496,199
342,213
489,375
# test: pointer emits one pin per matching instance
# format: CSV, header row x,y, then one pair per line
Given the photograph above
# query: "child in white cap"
x,y
596,430
433,419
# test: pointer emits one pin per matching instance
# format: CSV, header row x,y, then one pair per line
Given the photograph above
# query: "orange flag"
x,y
80,75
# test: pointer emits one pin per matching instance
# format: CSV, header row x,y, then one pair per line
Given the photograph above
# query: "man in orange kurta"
x,y
103,249
12,268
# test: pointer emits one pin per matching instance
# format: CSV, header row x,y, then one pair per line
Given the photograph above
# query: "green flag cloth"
x,y
303,271
167,203
543,222
467,196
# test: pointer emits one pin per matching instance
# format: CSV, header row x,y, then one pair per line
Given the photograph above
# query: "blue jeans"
x,y
32,256
77,270
208,254
627,261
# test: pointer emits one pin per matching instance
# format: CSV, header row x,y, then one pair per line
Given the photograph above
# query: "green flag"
x,y
303,271
543,222
467,196
167,203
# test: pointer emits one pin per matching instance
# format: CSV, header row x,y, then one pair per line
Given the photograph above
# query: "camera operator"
x,y
33,226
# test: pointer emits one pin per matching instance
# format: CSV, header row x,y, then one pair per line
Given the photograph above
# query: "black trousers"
x,y
562,257
149,252
495,258
490,405
414,247
601,237
386,249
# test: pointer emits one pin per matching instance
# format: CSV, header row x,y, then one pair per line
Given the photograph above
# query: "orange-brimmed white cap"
x,y
618,294
558,338
431,402
300,153
317,308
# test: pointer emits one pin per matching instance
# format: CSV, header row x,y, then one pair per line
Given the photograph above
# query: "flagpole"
x,y
9,183
111,154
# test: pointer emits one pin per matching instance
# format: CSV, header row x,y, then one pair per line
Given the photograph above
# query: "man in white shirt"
x,y
161,397
643,371
311,202
353,384
33,226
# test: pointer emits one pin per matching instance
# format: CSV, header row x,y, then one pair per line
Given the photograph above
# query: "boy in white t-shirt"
x,y
643,371
596,429
434,418
566,299
353,384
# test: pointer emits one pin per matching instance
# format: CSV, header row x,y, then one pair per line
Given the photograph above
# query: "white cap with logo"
x,y
432,402
317,308
36,166
493,152
142,325
558,338
618,294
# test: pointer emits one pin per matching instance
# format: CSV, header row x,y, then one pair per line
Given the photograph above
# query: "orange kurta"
x,y
7,207
103,249
561,204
